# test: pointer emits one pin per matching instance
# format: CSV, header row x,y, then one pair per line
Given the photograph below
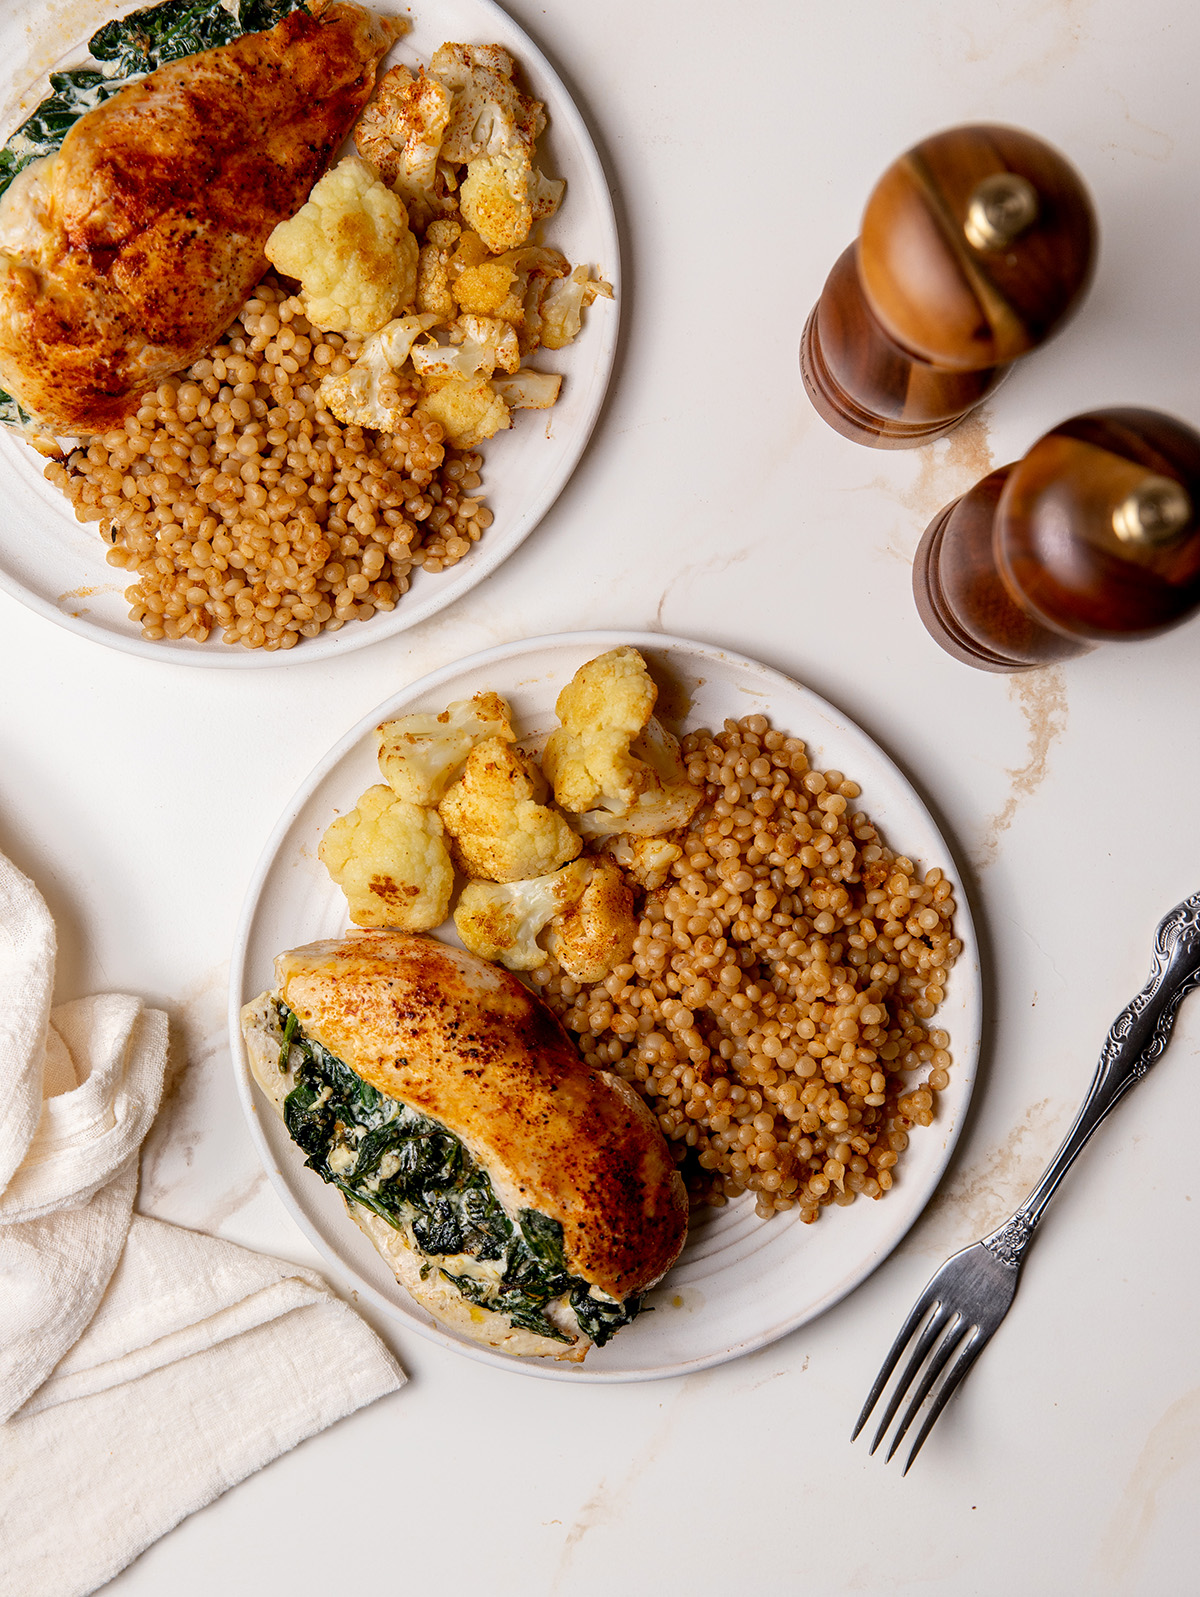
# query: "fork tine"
x,y
957,1328
968,1352
919,1310
933,1329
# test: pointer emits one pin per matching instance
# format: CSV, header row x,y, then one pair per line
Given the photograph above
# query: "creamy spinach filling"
x,y
127,49
415,1174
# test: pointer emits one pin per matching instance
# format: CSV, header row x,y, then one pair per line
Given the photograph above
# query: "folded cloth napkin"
x,y
117,1330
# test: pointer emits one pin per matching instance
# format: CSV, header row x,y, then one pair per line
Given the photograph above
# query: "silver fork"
x,y
960,1309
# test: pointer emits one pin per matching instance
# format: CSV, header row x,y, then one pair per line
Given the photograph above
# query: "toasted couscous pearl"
x,y
776,1004
308,522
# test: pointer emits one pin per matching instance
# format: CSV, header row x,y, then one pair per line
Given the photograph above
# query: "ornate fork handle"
x,y
1136,1039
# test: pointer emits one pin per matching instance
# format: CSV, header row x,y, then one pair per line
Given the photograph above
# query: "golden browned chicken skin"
x,y
468,1044
125,256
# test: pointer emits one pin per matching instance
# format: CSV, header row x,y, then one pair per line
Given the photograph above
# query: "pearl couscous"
x,y
238,504
777,1009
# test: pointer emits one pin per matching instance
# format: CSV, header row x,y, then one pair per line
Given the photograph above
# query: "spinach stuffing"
x,y
412,1172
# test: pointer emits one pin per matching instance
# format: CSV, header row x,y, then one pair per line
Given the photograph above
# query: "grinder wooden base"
x,y
962,598
869,388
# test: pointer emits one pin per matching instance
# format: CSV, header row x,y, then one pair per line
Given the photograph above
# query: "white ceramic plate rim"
x,y
899,1211
588,362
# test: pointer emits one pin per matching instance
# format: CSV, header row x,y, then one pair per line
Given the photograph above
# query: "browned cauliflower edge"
x,y
612,765
498,829
390,859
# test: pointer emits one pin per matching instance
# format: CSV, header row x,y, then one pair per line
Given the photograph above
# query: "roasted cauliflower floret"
x,y
501,921
494,129
401,134
597,931
466,109
351,249
586,905
468,408
435,363
666,801
487,288
501,285
498,829
602,709
647,859
527,390
390,859
421,754
433,269
490,114
503,195
371,393
478,344
498,338
610,762
554,315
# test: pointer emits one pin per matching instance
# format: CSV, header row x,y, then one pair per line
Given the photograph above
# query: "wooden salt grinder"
x,y
1094,535
975,246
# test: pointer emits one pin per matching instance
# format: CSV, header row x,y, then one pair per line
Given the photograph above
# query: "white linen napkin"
x,y
117,1330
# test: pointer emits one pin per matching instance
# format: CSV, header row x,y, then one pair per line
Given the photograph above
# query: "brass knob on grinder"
x,y
975,247
1093,536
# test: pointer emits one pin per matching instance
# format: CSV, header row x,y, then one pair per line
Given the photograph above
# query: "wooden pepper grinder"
x,y
975,246
1095,534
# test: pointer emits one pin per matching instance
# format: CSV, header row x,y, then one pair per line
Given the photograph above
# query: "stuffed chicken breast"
x,y
127,253
525,1199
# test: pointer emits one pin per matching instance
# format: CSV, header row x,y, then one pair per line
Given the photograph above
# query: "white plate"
x,y
741,1282
56,566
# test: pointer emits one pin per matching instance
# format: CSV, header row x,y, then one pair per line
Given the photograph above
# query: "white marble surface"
x,y
741,142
